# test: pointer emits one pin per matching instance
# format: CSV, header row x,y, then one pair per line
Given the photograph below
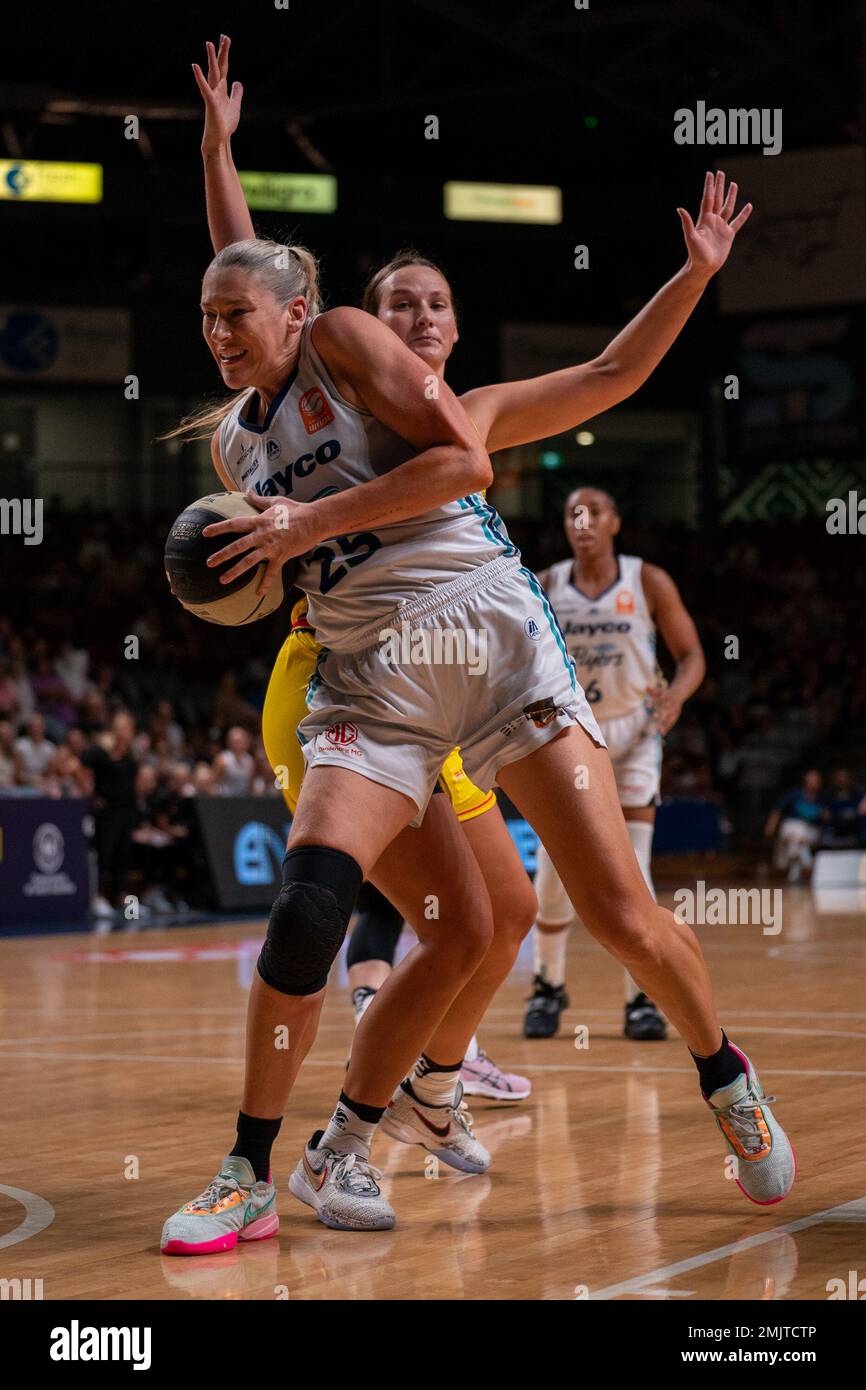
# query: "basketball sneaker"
x,y
343,1189
544,1009
444,1130
643,1022
233,1207
766,1163
482,1077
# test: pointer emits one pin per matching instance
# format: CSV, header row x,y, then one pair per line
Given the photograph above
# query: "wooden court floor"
x,y
119,1084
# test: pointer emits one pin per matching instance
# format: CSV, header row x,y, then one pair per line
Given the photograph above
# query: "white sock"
x,y
432,1084
347,1133
641,835
549,948
472,1050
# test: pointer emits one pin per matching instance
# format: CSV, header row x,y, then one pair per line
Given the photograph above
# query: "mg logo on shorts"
x,y
340,735
531,628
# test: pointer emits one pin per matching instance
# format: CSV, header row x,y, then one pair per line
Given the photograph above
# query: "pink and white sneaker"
x,y
482,1077
233,1207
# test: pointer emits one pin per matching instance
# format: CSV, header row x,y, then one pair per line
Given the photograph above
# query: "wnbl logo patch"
x,y
314,410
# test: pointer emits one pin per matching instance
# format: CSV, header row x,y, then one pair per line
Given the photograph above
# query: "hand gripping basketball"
x,y
283,530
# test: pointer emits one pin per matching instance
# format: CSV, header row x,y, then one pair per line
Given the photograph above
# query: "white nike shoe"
x,y
343,1189
444,1130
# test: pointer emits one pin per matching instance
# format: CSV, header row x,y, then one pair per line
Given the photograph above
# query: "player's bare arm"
x,y
372,368
227,212
520,412
680,636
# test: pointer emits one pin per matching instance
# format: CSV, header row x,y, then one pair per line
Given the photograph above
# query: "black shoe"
x,y
643,1022
543,1009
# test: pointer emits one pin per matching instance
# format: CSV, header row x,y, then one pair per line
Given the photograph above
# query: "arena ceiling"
x,y
345,85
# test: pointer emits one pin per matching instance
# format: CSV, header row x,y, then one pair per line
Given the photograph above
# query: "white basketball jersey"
x,y
611,639
312,443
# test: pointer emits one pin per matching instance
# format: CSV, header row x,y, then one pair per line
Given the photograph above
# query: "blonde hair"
x,y
289,272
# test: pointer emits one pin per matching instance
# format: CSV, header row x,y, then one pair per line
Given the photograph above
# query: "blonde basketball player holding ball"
x,y
382,546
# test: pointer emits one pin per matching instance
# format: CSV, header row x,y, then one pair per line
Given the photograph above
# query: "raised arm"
x,y
370,365
520,412
228,216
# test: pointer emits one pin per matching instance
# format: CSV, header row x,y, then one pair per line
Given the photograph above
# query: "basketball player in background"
x,y
609,607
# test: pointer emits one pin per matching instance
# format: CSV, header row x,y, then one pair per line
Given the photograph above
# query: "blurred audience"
x,y
10,768
114,770
147,727
794,825
35,753
233,768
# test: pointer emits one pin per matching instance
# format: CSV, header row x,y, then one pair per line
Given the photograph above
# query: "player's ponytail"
x,y
288,271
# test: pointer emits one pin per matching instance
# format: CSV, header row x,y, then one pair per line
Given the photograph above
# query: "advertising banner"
x,y
244,840
43,860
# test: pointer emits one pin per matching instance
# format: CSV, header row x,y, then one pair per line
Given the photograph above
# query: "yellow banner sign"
x,y
503,202
289,192
37,181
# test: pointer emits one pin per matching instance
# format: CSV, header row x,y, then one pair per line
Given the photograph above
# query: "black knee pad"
x,y
308,921
377,930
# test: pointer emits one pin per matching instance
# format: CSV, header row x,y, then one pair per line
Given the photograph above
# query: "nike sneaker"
x,y
444,1130
233,1207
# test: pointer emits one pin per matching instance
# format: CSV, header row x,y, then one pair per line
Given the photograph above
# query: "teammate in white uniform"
x,y
609,607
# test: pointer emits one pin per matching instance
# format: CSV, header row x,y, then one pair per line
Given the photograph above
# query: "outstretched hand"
x,y
222,107
710,240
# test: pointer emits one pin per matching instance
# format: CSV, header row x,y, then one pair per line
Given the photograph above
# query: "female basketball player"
x,y
374,939
608,607
373,942
380,726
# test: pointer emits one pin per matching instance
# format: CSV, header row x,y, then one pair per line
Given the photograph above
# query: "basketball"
x,y
196,586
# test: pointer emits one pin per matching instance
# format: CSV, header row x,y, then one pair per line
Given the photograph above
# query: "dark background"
x,y
344,88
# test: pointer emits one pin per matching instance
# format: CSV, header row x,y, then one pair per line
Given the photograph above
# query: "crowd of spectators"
x,y
95,655
108,694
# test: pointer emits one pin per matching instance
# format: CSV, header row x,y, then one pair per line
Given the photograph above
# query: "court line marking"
x,y
497,1011
236,1031
340,1061
343,1028
38,1213
855,1211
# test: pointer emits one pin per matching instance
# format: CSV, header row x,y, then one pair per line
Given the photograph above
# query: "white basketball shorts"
x,y
479,663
